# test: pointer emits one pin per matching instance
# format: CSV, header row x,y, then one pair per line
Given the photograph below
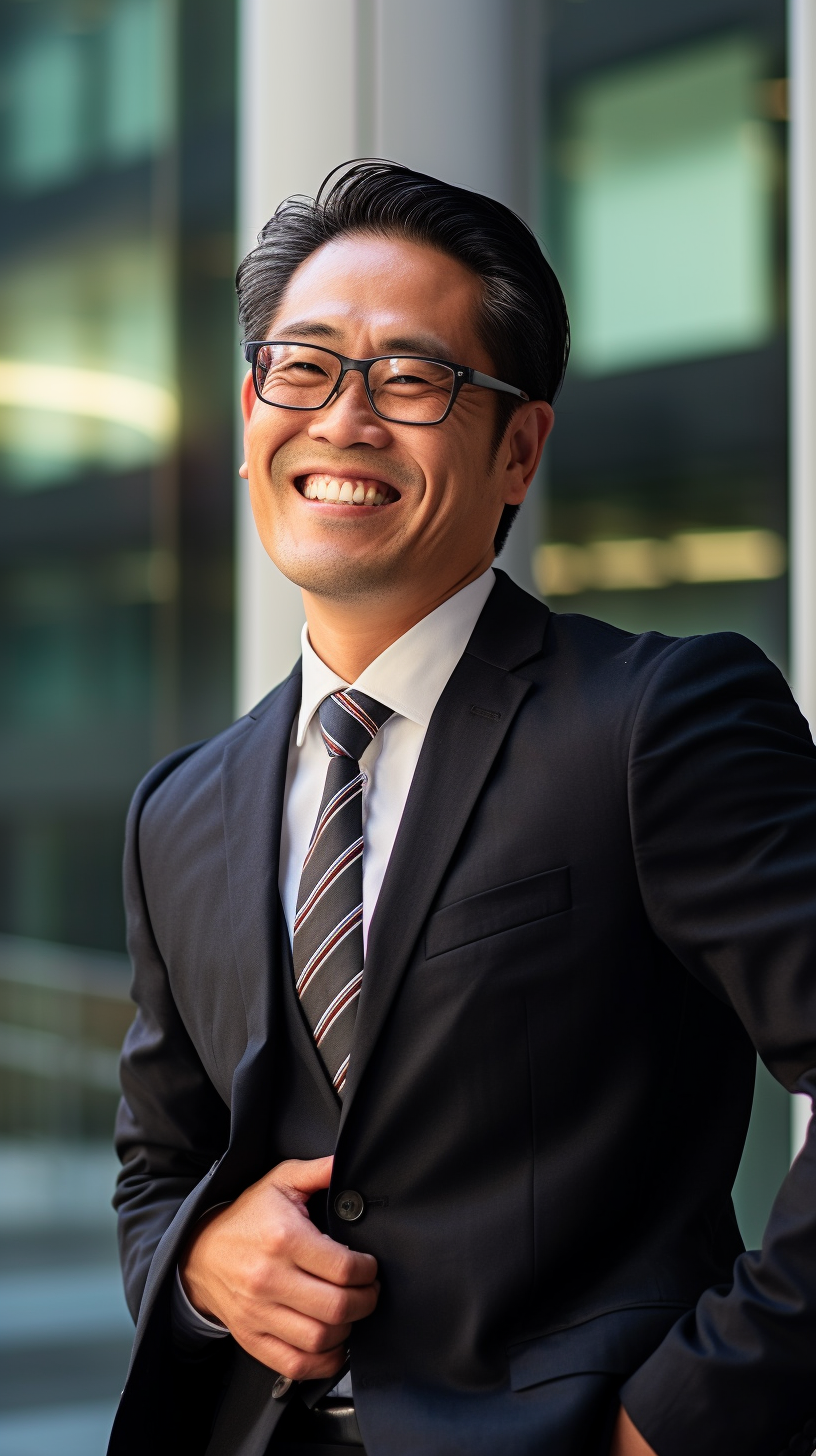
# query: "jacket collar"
x,y
466,732
253,783
408,676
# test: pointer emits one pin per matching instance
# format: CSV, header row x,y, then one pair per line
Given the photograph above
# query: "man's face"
x,y
441,494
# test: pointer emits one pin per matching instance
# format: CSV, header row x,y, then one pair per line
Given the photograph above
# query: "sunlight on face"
x,y
346,503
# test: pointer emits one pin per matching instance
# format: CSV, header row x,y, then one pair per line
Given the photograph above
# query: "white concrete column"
x,y
451,88
458,92
297,66
802,173
802,65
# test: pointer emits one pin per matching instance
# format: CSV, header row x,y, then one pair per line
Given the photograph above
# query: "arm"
x,y
723,813
286,1292
171,1125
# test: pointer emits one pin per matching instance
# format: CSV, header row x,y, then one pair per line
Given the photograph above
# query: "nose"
x,y
349,419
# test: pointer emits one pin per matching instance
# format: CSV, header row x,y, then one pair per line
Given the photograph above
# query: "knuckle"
x,y
336,1311
318,1339
286,1364
345,1268
257,1280
276,1241
301,1363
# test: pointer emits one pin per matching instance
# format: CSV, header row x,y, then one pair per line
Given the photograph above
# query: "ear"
x,y
520,450
248,398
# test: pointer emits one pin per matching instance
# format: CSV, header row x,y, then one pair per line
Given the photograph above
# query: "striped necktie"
x,y
328,932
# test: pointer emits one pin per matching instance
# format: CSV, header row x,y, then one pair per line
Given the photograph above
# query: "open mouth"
x,y
346,491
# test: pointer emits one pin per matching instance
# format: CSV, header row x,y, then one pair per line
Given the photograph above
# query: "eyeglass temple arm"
x,y
485,381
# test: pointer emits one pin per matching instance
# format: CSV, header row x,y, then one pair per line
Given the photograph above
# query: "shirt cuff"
x,y
188,1325
343,1387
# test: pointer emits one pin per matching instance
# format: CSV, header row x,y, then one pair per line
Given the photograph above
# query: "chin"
x,y
329,573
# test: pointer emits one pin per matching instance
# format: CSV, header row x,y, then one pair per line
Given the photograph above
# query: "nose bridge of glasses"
x,y
346,379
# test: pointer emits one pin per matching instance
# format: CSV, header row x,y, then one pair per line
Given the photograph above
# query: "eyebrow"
x,y
424,344
308,329
418,344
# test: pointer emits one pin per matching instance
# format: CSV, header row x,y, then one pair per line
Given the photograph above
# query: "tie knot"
x,y
349,720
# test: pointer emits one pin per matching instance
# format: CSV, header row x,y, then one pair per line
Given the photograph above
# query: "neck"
x,y
349,634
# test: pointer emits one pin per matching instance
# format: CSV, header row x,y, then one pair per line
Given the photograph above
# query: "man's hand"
x,y
627,1440
287,1293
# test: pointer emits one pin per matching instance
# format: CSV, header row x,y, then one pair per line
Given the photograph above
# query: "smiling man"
x,y
452,957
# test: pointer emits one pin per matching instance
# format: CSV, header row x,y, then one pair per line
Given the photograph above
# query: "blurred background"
x,y
142,145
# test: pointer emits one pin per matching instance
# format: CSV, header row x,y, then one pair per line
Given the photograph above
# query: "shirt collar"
x,y
410,675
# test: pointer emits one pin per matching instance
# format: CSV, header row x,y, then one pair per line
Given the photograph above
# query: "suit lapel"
x,y
253,785
468,727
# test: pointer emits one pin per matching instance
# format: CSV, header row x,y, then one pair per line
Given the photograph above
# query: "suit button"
x,y
349,1205
281,1387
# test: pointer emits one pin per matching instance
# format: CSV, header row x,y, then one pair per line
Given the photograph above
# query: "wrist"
x,y
191,1323
192,1265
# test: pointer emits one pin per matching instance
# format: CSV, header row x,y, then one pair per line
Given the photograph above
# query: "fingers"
x,y
287,1360
284,1235
317,1254
299,1178
328,1303
309,1336
278,1284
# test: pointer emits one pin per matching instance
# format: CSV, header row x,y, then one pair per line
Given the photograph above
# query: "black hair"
x,y
523,320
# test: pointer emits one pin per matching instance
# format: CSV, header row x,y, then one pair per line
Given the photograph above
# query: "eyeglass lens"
x,y
411,391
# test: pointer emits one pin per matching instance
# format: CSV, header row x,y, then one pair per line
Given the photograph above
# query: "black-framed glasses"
x,y
406,389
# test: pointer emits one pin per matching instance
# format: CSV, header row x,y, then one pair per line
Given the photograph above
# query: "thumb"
x,y
299,1178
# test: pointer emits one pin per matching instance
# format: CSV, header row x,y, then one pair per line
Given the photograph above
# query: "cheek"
x,y
267,431
259,500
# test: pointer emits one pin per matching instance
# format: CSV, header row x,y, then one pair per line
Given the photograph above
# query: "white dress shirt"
x,y
408,677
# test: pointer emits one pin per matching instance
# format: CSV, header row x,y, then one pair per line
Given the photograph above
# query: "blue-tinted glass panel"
x,y
669,214
116,248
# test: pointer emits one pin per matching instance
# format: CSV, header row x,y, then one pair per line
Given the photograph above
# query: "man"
x,y
452,957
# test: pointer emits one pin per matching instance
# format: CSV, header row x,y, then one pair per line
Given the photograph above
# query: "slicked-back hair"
x,y
522,321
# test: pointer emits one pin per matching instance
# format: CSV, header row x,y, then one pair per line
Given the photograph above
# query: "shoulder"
x,y
633,684
724,684
590,662
186,779
655,659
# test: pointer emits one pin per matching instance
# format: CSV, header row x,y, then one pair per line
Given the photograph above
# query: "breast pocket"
x,y
505,908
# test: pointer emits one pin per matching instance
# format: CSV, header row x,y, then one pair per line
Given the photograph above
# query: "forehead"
x,y
381,289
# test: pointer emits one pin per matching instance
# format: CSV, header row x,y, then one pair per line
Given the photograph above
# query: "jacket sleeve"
x,y
171,1125
722,782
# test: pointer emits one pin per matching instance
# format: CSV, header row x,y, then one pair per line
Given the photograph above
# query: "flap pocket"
x,y
504,908
615,1343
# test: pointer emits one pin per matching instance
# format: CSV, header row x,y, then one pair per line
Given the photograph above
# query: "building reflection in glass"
x,y
667,470
116,349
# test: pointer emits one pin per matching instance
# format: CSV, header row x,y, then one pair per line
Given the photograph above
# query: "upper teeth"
x,y
333,488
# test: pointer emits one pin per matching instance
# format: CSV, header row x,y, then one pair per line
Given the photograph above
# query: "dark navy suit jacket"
x,y
601,901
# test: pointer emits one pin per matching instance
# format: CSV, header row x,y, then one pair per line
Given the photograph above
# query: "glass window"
x,y
667,470
116,250
669,208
